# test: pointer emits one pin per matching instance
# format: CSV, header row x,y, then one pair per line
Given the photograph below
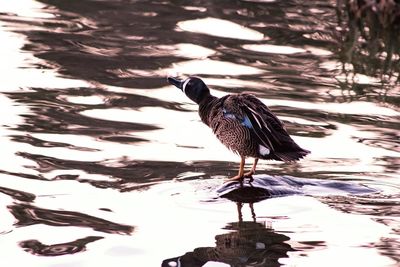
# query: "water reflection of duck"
x,y
249,243
243,124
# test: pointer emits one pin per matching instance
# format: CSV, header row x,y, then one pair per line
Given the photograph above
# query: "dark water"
x,y
102,162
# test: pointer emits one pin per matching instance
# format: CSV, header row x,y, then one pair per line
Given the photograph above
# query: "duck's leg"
x,y
239,206
253,214
240,175
253,169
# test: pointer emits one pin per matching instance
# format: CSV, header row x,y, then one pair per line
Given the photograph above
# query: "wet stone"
x,y
266,186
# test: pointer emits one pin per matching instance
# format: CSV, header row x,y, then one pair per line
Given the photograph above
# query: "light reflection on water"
x,y
220,28
102,161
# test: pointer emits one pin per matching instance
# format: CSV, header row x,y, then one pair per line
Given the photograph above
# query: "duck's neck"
x,y
206,107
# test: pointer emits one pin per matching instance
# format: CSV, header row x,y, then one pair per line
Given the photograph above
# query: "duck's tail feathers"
x,y
292,155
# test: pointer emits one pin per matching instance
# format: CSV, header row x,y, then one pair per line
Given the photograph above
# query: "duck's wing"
x,y
268,129
244,111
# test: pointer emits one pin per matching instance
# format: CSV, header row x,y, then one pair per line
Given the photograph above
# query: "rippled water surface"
x,y
102,162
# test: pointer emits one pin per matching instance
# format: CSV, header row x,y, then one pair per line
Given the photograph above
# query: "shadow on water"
x,y
53,114
248,243
37,248
17,194
26,214
145,173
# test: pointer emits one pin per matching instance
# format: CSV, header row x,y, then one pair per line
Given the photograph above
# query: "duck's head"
x,y
193,87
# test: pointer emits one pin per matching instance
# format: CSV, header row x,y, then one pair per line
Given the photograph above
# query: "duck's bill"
x,y
178,83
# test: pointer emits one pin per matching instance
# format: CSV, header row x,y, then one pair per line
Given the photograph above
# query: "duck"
x,y
243,123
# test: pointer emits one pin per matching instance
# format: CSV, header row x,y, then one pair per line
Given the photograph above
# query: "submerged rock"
x,y
266,186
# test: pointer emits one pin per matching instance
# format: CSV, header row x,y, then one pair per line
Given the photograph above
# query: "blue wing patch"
x,y
245,121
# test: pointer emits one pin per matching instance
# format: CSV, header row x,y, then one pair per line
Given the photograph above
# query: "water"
x,y
103,162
